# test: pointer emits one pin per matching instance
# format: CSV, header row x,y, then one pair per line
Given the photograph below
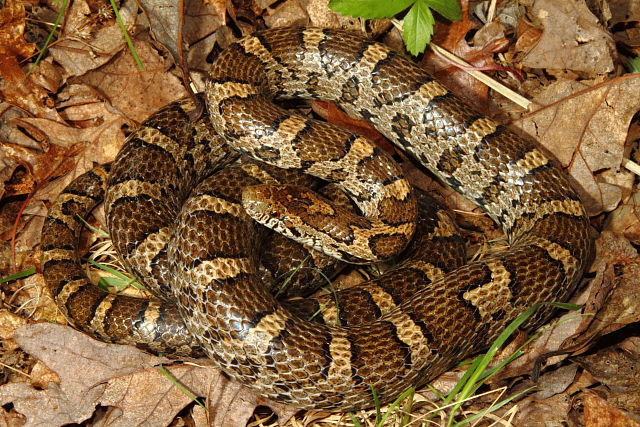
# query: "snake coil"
x,y
209,258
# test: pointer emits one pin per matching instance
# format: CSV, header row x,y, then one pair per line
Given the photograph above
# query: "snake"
x,y
425,317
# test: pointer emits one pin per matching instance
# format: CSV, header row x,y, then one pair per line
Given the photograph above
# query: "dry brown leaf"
x,y
625,219
555,382
615,304
201,19
136,93
12,42
527,37
452,38
287,14
613,367
573,39
550,340
16,87
543,412
321,16
600,413
84,47
8,324
586,128
124,379
94,135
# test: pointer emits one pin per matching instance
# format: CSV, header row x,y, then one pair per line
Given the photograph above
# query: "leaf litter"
x,y
77,106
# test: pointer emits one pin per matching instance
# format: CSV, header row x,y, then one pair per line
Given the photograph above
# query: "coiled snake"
x,y
237,322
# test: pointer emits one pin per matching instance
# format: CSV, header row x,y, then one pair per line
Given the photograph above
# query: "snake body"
x,y
425,322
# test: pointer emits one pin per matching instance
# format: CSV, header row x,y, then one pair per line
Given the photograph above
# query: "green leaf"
x,y
369,9
450,9
418,27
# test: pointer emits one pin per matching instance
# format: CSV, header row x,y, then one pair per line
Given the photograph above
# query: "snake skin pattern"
x,y
437,316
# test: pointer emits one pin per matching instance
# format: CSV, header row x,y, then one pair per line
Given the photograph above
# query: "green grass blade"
x,y
47,42
125,34
182,388
122,280
96,230
19,275
493,408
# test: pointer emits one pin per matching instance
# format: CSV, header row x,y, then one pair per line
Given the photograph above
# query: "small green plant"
x,y
417,23
120,281
393,408
477,374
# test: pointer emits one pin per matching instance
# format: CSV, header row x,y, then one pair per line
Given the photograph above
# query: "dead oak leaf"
x,y
125,380
12,24
137,94
613,366
572,39
72,150
585,128
453,38
614,304
16,88
200,20
82,48
600,413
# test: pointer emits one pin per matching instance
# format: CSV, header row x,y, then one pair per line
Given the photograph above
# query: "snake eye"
x,y
274,214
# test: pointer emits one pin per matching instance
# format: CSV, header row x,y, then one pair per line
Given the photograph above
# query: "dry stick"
x,y
508,93
183,66
493,84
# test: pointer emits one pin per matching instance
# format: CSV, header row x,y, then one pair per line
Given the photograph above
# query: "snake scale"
x,y
416,334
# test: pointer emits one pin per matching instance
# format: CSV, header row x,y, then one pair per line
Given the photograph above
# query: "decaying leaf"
x,y
585,127
135,93
600,413
201,19
86,44
573,39
613,304
125,380
489,41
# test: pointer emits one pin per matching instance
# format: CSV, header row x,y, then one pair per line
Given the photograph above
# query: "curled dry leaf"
x,y
91,134
625,219
16,88
586,128
489,41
